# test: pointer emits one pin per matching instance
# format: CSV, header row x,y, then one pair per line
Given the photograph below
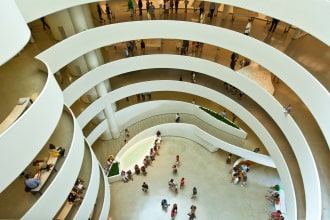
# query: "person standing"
x,y
177,118
176,5
186,2
287,109
151,11
44,23
194,193
147,5
143,47
108,12
201,8
192,214
248,27
161,6
212,8
130,7
223,114
174,210
99,12
274,24
140,5
167,7
182,182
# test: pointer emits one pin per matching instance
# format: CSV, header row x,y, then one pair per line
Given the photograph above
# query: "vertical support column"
x,y
109,113
81,20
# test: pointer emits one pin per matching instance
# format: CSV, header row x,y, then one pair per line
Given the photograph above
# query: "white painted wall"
x,y
310,15
14,31
290,72
57,192
33,128
194,133
91,192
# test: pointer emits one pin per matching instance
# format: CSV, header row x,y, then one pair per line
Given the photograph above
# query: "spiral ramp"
x,y
45,113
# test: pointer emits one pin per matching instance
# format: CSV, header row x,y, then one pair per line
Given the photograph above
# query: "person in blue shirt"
x,y
32,183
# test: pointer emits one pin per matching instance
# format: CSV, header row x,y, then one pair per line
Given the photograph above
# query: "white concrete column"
x,y
81,19
109,112
60,25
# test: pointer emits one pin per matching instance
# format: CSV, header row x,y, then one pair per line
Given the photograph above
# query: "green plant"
x,y
219,117
114,169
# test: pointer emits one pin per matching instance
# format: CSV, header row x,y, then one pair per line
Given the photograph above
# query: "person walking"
x,y
44,23
248,27
194,193
108,12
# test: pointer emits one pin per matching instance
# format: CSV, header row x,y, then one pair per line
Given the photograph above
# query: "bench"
x,y
153,43
21,106
244,13
286,26
281,205
65,210
46,174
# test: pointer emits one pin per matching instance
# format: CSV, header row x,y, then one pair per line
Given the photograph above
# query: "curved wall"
x,y
59,189
92,190
14,31
19,137
294,135
319,88
311,16
220,99
229,40
194,133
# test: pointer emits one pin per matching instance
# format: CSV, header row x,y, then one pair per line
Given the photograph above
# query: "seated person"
x,y
74,197
79,185
145,187
129,175
175,170
276,215
182,182
274,197
149,160
177,159
165,204
275,187
137,169
171,183
145,162
123,176
32,183
56,152
42,165
143,170
156,150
